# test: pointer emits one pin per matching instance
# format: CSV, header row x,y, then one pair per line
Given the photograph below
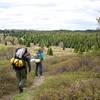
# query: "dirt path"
x,y
36,82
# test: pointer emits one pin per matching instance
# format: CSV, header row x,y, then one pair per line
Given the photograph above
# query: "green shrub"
x,y
50,51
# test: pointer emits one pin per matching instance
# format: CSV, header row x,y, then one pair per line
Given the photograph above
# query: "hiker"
x,y
38,59
20,62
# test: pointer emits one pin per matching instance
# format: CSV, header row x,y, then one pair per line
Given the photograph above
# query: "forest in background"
x,y
80,41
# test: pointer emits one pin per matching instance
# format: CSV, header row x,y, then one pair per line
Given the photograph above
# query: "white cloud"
x,y
49,14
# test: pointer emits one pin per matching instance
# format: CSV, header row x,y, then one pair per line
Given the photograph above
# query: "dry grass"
x,y
74,63
7,79
57,51
60,52
76,76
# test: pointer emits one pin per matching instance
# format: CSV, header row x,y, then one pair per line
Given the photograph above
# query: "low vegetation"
x,y
76,78
7,81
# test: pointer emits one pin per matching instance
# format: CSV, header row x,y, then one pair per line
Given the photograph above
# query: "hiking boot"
x,y
20,89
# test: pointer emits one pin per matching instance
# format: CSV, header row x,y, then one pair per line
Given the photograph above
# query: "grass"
x,y
61,86
23,96
4,62
68,77
7,79
3,47
79,80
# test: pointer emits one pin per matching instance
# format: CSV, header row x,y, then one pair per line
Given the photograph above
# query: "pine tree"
x,y
50,51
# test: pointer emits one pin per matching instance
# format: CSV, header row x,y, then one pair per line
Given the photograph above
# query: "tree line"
x,y
81,41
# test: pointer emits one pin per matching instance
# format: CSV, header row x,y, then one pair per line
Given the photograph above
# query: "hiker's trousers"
x,y
21,76
39,69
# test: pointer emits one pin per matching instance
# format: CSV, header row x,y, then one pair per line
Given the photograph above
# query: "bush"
x,y
50,51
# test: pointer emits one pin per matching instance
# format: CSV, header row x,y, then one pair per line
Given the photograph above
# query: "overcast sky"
x,y
49,14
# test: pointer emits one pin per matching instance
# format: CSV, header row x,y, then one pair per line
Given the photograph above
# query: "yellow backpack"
x,y
17,62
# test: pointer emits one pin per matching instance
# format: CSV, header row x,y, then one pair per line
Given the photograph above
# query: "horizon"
x,y
53,29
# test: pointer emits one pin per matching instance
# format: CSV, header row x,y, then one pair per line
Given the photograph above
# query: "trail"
x,y
36,82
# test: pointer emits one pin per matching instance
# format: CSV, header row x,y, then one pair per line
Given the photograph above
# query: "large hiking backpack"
x,y
18,60
41,55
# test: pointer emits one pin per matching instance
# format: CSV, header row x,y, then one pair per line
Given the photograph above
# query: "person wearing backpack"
x,y
39,66
20,63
